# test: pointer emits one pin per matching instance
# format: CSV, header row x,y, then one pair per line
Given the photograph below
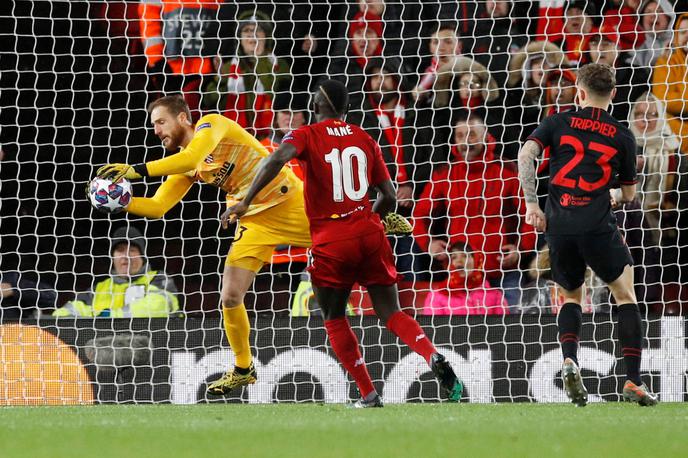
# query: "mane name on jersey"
x,y
608,130
340,131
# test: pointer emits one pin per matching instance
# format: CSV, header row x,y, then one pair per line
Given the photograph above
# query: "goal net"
x,y
449,89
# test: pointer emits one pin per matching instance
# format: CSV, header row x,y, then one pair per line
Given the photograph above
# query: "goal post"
x,y
449,89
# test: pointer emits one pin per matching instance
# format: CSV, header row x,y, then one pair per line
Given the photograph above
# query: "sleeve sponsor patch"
x,y
205,125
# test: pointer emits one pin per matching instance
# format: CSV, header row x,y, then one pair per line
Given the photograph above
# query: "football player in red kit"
x,y
341,163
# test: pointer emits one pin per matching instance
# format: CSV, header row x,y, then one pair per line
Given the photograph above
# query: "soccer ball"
x,y
109,197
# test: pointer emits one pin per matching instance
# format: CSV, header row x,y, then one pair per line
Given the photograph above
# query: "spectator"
x,y
467,84
402,26
291,112
649,224
657,162
180,41
466,291
656,22
20,292
365,42
630,81
560,96
670,81
404,141
647,258
304,34
379,10
623,19
497,38
132,289
306,39
389,119
483,205
560,91
550,20
527,81
578,27
444,46
243,89
475,85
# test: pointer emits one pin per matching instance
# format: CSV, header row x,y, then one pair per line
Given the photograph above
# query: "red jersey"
x,y
340,162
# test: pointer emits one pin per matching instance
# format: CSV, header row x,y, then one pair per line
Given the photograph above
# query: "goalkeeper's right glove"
x,y
395,224
116,171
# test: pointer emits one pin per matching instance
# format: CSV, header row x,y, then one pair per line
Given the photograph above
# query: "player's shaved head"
x,y
331,99
597,79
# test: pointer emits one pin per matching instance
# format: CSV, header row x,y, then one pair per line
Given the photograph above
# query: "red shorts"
x,y
367,260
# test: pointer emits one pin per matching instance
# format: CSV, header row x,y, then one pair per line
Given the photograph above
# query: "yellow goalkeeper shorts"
x,y
257,235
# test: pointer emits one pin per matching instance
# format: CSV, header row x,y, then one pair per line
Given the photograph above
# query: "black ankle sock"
x,y
631,338
570,321
241,370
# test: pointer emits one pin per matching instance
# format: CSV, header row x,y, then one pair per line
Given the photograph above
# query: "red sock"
x,y
410,332
345,346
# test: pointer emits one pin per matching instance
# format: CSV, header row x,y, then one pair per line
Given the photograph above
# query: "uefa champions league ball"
x,y
109,197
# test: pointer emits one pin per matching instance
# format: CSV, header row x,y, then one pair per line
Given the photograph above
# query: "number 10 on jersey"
x,y
343,173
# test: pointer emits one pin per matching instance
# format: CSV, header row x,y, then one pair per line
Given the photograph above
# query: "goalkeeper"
x,y
219,152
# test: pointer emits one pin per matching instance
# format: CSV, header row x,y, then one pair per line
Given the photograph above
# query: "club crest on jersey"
x,y
205,125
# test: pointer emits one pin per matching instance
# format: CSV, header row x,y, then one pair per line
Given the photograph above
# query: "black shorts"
x,y
607,255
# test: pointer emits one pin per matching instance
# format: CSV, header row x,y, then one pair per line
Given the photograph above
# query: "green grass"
x,y
306,430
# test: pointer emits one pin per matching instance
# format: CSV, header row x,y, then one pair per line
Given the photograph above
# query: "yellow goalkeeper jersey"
x,y
225,155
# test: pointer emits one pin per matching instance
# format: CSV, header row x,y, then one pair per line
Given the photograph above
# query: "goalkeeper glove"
x,y
117,171
396,224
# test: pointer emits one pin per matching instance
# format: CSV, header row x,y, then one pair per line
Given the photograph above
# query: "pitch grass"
x,y
311,430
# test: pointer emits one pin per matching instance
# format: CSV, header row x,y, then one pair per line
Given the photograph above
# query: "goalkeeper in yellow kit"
x,y
219,152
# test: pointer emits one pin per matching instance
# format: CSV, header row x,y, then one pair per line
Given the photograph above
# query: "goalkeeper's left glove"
x,y
117,171
395,224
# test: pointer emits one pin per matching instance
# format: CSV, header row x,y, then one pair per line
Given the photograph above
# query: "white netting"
x,y
77,78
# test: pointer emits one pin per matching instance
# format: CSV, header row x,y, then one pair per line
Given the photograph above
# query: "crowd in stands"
x,y
450,90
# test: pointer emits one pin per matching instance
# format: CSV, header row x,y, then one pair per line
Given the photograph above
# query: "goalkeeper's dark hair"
x,y
336,96
175,104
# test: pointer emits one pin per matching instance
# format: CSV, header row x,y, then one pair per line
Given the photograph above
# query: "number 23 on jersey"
x,y
607,153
